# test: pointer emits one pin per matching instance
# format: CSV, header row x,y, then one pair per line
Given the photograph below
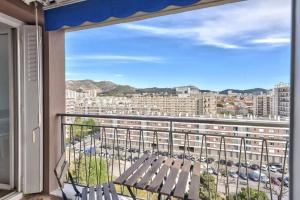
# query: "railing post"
x,y
171,139
294,161
63,147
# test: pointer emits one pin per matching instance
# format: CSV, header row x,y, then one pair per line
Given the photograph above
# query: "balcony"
x,y
238,157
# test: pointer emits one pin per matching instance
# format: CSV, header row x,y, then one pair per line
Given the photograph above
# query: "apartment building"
x,y
276,149
282,100
172,105
263,105
207,104
168,105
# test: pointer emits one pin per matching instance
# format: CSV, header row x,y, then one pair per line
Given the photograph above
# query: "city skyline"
x,y
189,52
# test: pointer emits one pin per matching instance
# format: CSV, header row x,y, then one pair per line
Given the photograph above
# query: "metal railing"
x,y
240,155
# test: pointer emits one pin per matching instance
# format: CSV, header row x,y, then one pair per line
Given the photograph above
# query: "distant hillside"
x,y
249,91
157,90
108,88
120,90
102,86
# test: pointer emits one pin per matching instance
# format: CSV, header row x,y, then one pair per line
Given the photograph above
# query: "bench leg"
x,y
131,193
159,196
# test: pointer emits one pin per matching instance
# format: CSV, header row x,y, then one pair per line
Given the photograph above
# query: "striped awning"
x,y
97,11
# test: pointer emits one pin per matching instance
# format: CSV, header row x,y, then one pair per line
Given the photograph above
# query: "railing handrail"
x,y
212,121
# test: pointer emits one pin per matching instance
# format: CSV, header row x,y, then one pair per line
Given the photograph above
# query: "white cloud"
x,y
270,40
122,58
119,75
239,25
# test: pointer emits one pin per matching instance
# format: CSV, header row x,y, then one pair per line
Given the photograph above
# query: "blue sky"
x,y
241,45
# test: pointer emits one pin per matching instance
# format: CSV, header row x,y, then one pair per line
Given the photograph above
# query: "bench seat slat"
x,y
113,191
106,192
131,169
158,179
182,182
148,176
138,173
99,192
170,182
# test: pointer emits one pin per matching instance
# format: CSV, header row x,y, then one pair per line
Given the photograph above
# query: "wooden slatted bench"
x,y
165,176
106,191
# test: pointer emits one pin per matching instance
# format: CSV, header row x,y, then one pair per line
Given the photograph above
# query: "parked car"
x,y
273,168
264,178
277,165
247,164
281,170
147,151
254,176
210,160
243,175
264,167
233,174
229,163
215,171
238,164
222,162
202,159
210,170
275,181
254,167
90,151
286,181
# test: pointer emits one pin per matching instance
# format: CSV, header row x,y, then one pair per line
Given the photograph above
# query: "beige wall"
x,y
54,102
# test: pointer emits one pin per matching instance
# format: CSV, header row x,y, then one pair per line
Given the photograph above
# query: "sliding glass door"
x,y
6,105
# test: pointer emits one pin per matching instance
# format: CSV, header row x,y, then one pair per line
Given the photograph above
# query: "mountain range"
x,y
112,89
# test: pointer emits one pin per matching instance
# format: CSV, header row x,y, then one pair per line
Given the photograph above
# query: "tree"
x,y
91,170
254,195
208,187
82,131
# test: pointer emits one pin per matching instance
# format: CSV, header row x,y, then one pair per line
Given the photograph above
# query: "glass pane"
x,y
4,110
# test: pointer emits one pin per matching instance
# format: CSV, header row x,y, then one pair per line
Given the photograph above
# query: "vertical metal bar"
x,y
219,158
188,144
118,152
171,139
246,162
101,153
84,154
226,168
267,152
63,148
184,147
202,139
95,155
113,154
140,139
283,171
239,168
90,154
106,152
209,193
71,141
79,154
